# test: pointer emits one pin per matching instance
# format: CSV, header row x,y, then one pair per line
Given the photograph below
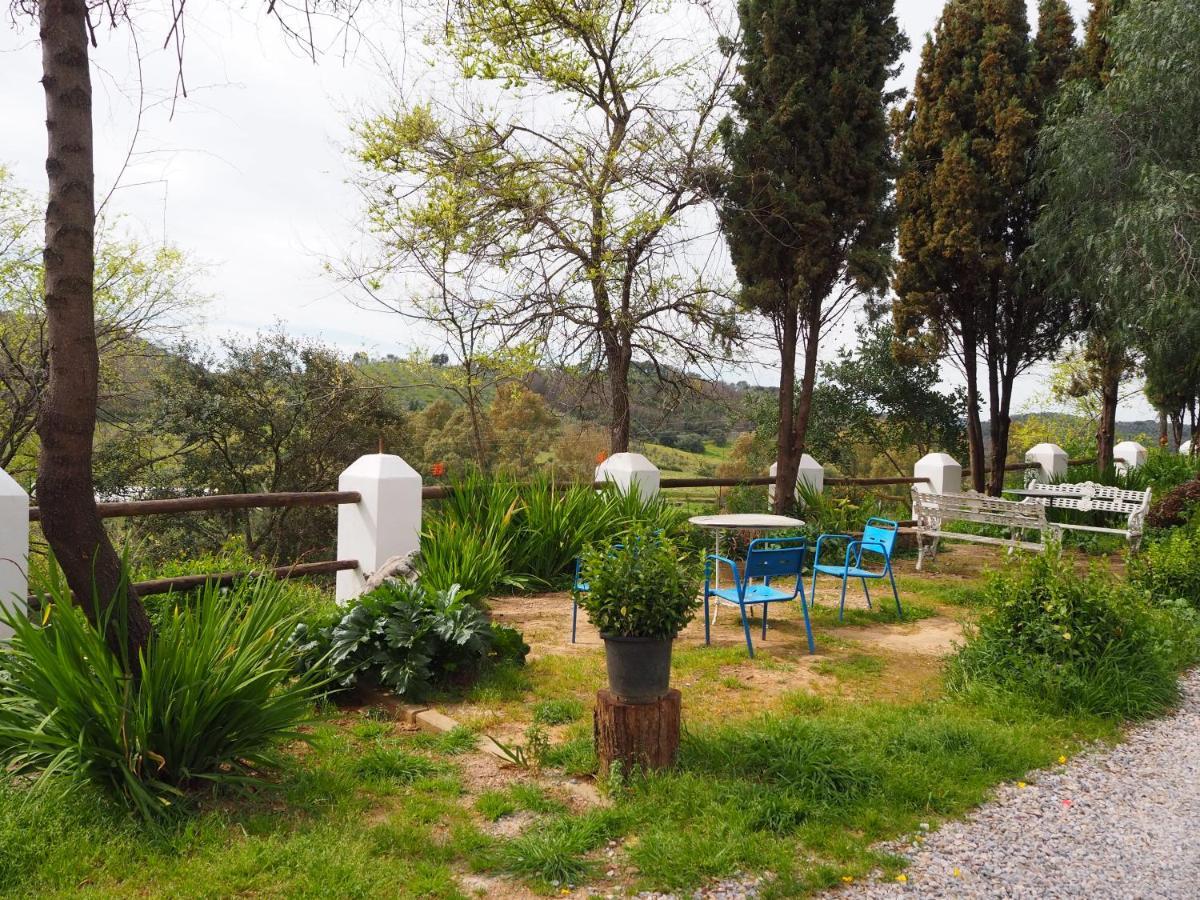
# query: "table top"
x,y
749,521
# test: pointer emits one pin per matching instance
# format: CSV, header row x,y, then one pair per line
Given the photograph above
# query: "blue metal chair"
x,y
879,538
578,586
766,558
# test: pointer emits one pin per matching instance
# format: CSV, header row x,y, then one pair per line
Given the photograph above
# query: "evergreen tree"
x,y
806,205
966,204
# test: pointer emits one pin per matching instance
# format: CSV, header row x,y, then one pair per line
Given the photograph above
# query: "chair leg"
x,y
866,591
574,618
895,593
707,636
807,624
842,605
764,622
746,628
813,593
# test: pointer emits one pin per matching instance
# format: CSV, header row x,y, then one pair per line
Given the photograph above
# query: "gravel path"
x,y
1122,822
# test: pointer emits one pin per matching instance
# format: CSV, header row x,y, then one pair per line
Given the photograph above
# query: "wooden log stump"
x,y
637,735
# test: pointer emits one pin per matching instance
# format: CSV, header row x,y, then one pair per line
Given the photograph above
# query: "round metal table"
x,y
739,522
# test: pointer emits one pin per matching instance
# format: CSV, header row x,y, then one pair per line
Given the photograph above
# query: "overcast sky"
x,y
249,176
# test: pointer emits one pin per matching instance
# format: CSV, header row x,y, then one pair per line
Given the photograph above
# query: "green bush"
x,y
492,533
406,638
1169,567
215,696
640,585
1076,643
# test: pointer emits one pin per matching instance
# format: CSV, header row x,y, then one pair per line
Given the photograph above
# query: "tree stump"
x,y
637,735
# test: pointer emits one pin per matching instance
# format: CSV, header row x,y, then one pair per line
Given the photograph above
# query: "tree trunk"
x,y
787,462
808,381
1001,425
1164,437
67,422
1110,392
974,425
619,357
639,736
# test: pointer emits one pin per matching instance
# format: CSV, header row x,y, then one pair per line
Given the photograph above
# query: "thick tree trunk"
x,y
68,417
974,425
1110,391
808,383
619,357
787,462
1164,436
1001,425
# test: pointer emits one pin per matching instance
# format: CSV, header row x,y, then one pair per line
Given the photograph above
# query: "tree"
x,y
267,414
576,221
967,203
806,206
140,294
523,428
67,421
1121,178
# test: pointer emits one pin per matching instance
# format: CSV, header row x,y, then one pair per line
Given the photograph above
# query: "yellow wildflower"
x,y
1061,760
848,879
957,872
1022,785
902,878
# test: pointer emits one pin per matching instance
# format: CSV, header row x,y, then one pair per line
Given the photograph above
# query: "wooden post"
x,y
637,735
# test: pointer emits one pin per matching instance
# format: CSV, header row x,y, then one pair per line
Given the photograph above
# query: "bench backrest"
x,y
930,510
1091,497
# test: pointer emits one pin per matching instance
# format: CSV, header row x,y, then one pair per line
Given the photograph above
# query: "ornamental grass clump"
x,y
1075,643
640,584
215,698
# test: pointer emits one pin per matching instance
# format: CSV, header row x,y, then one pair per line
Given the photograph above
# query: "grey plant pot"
x,y
639,669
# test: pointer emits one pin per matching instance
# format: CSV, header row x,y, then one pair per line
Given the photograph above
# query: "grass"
x,y
778,773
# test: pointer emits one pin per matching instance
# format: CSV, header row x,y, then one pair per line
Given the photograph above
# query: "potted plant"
x,y
641,591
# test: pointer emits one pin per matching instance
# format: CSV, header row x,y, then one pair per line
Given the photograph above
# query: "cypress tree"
x,y
966,204
805,205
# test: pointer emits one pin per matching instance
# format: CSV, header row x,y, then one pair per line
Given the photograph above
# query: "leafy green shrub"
x,y
1076,643
640,585
406,638
492,533
215,696
1177,507
1169,567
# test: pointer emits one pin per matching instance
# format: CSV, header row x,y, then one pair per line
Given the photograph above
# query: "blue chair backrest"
x,y
775,557
880,531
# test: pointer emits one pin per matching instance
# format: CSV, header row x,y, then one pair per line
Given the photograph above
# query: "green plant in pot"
x,y
642,591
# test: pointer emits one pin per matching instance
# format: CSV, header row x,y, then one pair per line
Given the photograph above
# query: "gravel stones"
x,y
1119,822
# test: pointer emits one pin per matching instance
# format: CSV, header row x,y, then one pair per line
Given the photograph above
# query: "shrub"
x,y
1169,567
406,638
640,585
215,696
1075,643
1177,507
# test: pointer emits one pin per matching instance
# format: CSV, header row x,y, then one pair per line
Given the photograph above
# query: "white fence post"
x,y
630,471
1051,460
808,471
385,523
14,548
1128,455
944,474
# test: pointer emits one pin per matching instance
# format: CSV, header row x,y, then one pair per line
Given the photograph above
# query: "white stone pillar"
x,y
630,471
1185,448
384,524
809,472
944,474
1128,455
1051,461
14,548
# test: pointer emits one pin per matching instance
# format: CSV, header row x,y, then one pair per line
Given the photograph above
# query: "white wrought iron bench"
x,y
932,511
1091,497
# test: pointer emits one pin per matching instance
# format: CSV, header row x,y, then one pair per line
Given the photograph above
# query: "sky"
x,y
249,174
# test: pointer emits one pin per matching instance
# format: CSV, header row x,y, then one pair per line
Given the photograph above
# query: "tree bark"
x,y
619,357
787,462
808,381
974,425
1001,425
66,425
1110,390
640,736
